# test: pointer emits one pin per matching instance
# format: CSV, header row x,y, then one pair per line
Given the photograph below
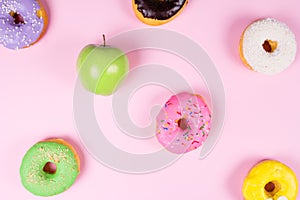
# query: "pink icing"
x,y
183,123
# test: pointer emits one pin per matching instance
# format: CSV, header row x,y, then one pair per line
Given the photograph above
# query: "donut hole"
x,y
269,46
18,18
271,188
49,168
182,123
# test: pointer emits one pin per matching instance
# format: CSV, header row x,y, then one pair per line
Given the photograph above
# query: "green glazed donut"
x,y
49,167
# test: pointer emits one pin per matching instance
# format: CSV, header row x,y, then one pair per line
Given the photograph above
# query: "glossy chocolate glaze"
x,y
159,9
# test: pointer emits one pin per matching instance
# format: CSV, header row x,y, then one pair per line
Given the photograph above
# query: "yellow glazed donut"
x,y
270,180
268,46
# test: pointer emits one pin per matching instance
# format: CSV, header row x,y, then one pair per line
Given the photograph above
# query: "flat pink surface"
x,y
36,101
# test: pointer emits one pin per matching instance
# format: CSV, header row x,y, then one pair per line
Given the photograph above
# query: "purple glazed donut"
x,y
22,23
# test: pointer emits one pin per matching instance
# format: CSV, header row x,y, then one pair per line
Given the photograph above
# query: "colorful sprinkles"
x,y
195,111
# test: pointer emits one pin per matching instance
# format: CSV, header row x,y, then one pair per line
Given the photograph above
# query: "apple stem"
x,y
104,43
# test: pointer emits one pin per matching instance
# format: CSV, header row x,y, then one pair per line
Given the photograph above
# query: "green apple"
x,y
101,68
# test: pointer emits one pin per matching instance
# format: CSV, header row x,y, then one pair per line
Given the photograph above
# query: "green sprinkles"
x,y
202,127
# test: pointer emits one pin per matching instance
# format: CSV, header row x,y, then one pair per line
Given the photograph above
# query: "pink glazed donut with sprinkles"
x,y
183,124
22,23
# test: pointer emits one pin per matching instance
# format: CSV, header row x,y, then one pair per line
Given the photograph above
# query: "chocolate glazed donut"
x,y
157,12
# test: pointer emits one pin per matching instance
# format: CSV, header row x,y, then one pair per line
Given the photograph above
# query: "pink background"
x,y
37,84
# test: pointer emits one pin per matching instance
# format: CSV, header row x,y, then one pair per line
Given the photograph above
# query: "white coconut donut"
x,y
268,46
